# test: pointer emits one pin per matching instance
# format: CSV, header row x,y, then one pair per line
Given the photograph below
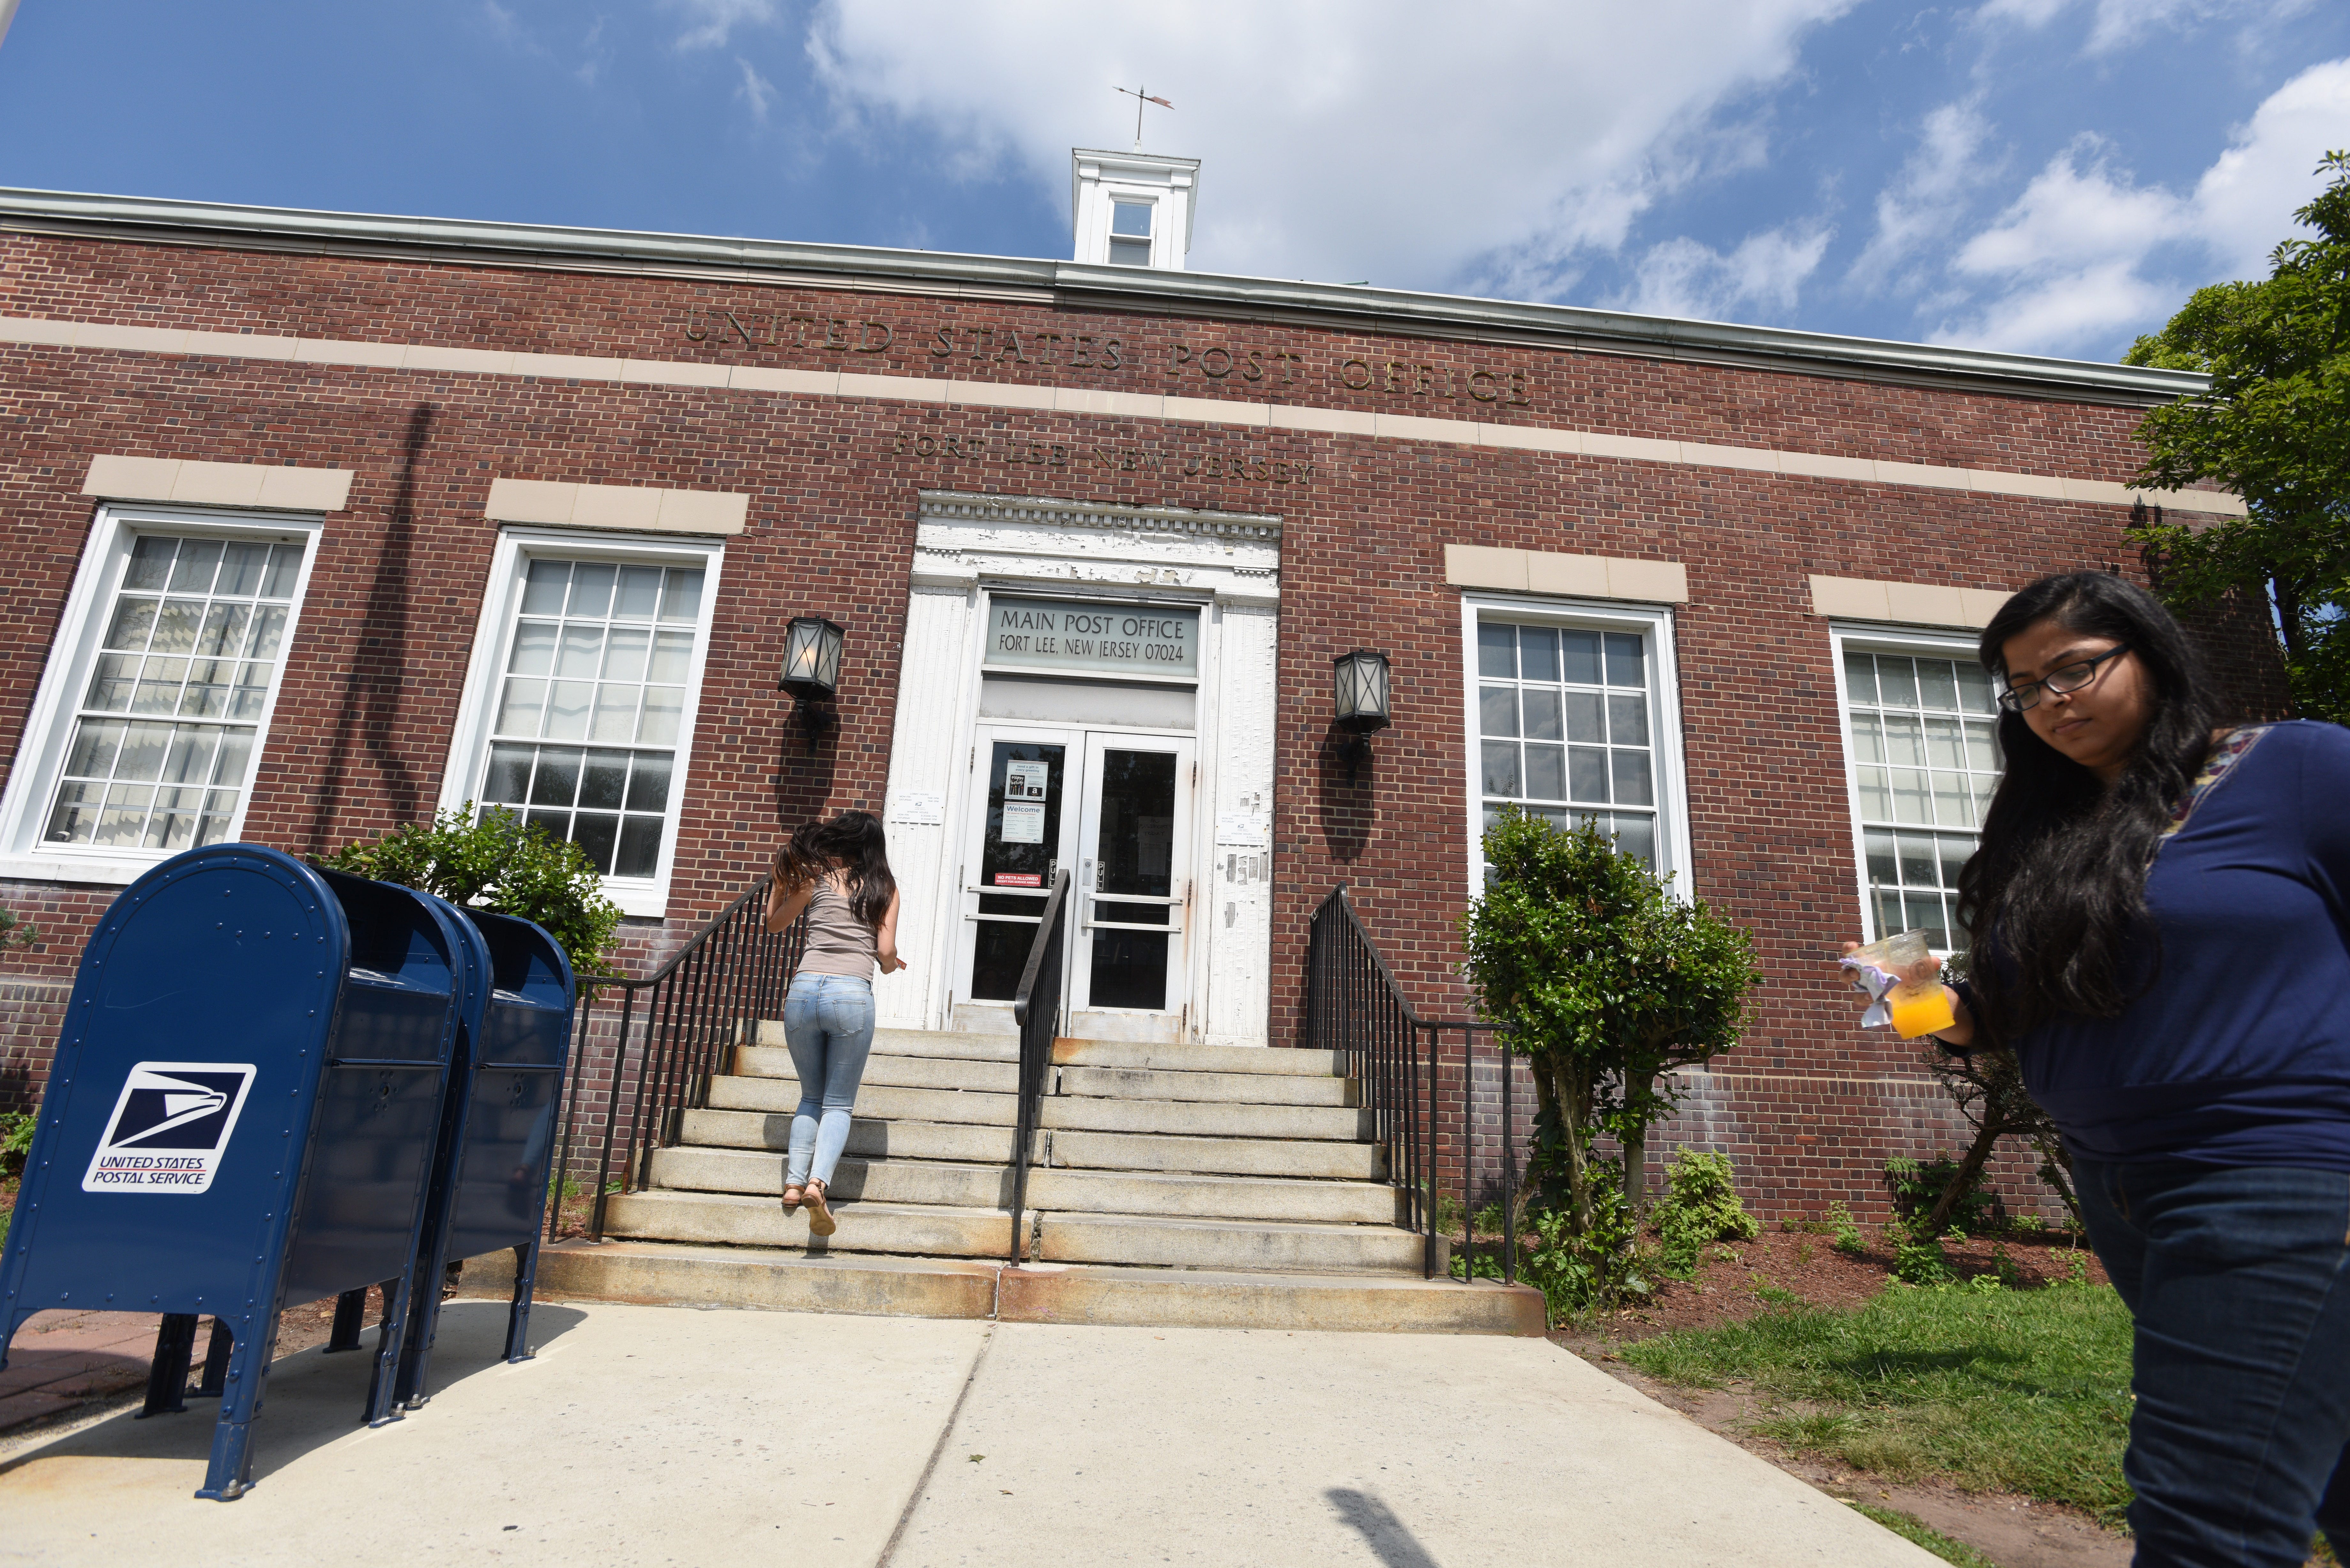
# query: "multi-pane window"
x,y
1565,724
1924,765
1130,233
163,745
591,703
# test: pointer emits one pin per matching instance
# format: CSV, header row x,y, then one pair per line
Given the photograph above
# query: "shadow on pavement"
x,y
312,1400
1390,1541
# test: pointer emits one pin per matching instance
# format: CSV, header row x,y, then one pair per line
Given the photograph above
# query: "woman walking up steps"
x,y
838,872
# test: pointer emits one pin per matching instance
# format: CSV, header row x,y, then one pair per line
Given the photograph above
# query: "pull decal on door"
x,y
169,1128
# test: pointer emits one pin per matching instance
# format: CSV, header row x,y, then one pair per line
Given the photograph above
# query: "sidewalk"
x,y
654,1435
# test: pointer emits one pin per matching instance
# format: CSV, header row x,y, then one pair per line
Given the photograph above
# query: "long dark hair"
x,y
856,839
2054,899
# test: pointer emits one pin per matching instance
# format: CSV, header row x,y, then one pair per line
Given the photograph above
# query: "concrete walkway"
x,y
649,1436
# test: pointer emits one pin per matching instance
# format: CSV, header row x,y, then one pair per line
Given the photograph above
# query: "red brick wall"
x,y
372,680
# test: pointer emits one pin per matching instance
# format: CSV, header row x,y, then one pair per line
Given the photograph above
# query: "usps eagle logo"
x,y
171,1127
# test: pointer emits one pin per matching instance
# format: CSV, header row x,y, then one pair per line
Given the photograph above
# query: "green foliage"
x,y
499,863
2011,1390
15,1141
1606,982
17,932
1917,1256
1909,1528
1916,1186
1598,1266
2275,429
1701,1205
1847,1231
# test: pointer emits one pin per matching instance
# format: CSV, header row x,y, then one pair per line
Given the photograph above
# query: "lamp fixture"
x,y
1362,690
811,670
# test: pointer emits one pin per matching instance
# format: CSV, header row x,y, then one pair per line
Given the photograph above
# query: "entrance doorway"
x,y
1114,809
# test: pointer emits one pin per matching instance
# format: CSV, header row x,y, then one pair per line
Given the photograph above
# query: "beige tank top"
x,y
837,941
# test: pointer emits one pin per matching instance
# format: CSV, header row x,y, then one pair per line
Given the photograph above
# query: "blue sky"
x,y
2041,175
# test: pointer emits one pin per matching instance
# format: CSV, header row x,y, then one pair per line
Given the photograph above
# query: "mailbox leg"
x,y
350,1316
382,1406
229,1476
416,1361
518,1316
167,1375
222,1345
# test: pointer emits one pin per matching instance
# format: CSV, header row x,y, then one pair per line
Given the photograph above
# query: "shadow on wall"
x,y
1349,802
371,685
804,773
1382,1531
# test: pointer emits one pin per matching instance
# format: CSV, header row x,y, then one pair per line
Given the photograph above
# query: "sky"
x,y
2040,176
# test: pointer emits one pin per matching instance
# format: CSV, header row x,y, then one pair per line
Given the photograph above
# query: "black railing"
x,y
698,1003
1036,1008
1353,1007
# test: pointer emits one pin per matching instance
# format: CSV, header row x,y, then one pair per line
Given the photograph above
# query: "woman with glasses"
x,y
838,873
2159,912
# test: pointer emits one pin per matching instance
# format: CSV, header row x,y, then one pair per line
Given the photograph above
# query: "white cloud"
x,y
2087,253
1926,200
2119,24
712,22
1683,278
756,91
1341,139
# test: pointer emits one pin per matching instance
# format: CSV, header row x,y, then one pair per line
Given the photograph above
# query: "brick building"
x,y
317,522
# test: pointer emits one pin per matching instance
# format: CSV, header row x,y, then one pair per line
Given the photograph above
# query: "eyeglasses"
x,y
2072,678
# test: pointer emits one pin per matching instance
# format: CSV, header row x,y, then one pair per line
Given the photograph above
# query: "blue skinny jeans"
x,y
2240,1281
828,1026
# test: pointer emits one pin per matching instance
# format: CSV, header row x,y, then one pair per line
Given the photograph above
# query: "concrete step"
x,y
726,1218
668,1274
918,1043
1310,1159
1227,1088
938,1183
1158,1241
1198,1118
975,1144
1141,1056
879,1102
892,1070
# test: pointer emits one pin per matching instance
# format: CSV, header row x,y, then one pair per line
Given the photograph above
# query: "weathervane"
x,y
1141,95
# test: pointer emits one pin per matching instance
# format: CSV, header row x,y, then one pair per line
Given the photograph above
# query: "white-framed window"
x,y
1130,230
580,706
153,714
1920,723
1573,713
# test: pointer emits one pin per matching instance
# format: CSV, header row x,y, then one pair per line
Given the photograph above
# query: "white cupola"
x,y
1132,209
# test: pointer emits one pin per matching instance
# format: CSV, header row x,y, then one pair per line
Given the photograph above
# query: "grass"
x,y
1910,1529
2024,1391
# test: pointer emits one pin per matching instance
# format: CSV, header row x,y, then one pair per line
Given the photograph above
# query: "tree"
x,y
499,863
1605,982
2275,428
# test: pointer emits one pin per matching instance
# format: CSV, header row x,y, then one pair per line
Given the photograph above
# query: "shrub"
x,y
497,862
15,933
1917,1186
15,1141
1847,1231
1701,1205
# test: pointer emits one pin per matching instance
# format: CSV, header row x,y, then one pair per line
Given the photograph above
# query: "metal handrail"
x,y
1040,983
702,998
1355,1008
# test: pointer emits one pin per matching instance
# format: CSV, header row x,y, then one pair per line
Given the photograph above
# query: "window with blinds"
x,y
1919,726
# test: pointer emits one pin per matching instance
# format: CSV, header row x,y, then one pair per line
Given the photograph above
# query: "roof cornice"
x,y
1123,288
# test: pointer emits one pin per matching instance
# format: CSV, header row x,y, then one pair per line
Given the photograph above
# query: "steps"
x,y
1167,1184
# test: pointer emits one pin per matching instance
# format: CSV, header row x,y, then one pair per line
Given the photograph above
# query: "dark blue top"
x,y
2240,1052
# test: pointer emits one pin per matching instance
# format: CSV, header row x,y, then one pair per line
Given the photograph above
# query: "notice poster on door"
x,y
1025,781
1024,822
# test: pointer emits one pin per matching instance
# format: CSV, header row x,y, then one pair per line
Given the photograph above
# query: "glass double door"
x,y
1115,810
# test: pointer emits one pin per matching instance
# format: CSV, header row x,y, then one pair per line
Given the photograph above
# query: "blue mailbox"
x,y
492,1171
240,1118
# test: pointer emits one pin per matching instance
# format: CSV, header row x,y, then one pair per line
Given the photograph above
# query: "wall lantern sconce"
x,y
1362,704
812,671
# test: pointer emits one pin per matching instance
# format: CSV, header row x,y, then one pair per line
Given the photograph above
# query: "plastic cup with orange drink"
x,y
1916,1003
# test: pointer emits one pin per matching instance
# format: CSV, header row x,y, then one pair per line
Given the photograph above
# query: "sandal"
x,y
793,1192
820,1219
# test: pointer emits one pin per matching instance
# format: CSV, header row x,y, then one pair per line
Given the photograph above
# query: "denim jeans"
x,y
828,1025
2240,1281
